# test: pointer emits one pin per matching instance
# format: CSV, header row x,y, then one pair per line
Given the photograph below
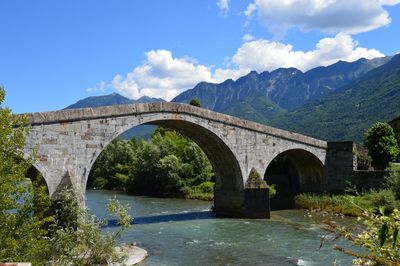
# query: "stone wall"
x,y
341,167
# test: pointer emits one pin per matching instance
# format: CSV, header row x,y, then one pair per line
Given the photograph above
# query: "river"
x,y
184,232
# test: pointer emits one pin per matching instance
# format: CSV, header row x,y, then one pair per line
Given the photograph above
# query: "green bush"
x,y
384,198
206,187
272,191
392,180
80,241
364,161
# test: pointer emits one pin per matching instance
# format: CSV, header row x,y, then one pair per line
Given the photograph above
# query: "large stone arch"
x,y
225,165
294,171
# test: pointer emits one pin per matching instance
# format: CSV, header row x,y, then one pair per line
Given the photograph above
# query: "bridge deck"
x,y
70,115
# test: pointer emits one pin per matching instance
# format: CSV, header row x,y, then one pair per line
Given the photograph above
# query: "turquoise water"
x,y
184,232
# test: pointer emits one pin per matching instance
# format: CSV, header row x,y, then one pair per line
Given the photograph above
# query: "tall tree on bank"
x,y
22,205
382,145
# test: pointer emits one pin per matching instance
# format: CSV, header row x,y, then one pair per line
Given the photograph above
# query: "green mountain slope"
x,y
346,113
257,109
289,88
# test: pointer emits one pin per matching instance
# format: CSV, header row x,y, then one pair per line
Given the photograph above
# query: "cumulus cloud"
x,y
223,6
264,55
162,76
329,16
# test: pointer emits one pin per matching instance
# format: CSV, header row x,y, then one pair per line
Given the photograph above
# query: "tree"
x,y
23,204
382,145
195,102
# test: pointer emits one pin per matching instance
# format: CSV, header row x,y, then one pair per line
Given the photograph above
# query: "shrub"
x,y
79,241
272,191
363,161
392,180
384,198
206,187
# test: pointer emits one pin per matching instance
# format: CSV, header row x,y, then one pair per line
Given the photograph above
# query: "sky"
x,y
54,53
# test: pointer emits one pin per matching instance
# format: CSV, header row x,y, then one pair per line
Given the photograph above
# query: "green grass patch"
x,y
351,205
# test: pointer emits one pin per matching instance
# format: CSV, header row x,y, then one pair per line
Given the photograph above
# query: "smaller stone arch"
x,y
292,172
33,173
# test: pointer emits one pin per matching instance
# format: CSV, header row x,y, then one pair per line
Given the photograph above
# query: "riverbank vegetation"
x,y
29,230
352,202
167,165
381,145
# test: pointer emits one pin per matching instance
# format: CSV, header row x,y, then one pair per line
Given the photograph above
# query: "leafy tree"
x,y
111,170
195,102
23,204
169,164
381,143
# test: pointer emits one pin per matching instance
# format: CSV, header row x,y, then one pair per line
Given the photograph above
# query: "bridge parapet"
x,y
71,115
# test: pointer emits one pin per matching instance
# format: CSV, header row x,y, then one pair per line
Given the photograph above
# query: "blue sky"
x,y
54,53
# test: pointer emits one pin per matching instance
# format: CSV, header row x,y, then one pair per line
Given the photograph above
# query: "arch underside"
x,y
225,165
294,171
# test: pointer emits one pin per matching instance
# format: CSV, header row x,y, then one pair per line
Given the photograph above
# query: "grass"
x,y
200,196
348,204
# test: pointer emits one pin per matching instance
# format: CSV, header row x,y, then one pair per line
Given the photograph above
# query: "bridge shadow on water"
x,y
175,217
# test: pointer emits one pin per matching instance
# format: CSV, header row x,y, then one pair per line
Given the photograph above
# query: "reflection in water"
x,y
176,217
184,232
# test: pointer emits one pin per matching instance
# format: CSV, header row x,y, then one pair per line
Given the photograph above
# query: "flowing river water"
x,y
184,232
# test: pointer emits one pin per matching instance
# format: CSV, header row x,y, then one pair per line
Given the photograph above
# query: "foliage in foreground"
x,y
167,165
379,237
22,206
80,241
27,232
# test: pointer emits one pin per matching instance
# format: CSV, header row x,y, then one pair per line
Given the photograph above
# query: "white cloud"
x,y
248,37
329,16
163,76
102,86
264,55
223,6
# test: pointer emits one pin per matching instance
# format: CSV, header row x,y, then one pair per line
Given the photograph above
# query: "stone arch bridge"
x,y
67,143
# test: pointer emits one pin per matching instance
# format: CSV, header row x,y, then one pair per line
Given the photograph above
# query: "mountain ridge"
x,y
326,110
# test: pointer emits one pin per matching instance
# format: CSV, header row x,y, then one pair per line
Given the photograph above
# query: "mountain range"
x,y
336,102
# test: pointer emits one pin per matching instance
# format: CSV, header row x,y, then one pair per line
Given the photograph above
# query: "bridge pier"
x,y
251,202
247,203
